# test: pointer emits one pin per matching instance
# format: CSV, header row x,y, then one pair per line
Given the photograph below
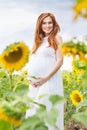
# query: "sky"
x,y
18,20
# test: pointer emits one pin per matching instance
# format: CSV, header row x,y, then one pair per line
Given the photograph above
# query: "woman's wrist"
x,y
47,77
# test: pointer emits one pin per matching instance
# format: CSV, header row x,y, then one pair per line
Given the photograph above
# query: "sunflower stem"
x,y
10,77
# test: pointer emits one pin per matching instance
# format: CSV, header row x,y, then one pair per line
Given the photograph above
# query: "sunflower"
x,y
80,9
15,56
10,115
76,97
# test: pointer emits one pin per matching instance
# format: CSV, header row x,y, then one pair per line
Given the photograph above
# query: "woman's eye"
x,y
44,23
47,23
50,23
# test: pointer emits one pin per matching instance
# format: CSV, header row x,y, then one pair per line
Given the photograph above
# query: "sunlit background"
x,y
18,19
17,24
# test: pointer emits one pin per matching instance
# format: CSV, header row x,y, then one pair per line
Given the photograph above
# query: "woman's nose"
x,y
47,25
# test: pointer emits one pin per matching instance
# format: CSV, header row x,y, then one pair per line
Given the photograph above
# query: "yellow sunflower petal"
x,y
8,118
15,56
76,97
80,9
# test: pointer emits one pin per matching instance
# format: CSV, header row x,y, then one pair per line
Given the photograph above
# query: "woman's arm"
x,y
59,57
57,65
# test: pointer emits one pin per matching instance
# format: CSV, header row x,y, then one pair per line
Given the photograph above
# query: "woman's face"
x,y
47,25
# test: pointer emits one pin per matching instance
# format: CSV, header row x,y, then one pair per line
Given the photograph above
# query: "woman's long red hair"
x,y
39,34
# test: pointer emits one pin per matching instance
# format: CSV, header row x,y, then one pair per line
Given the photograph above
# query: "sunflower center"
x,y
77,98
14,56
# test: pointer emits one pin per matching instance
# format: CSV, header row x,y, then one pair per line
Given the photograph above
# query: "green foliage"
x,y
81,46
55,99
14,102
78,1
75,80
33,123
81,113
81,117
49,117
81,105
5,125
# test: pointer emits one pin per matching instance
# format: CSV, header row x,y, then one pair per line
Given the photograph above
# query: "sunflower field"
x,y
14,88
75,85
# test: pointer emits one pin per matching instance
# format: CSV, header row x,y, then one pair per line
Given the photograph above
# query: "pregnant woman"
x,y
45,62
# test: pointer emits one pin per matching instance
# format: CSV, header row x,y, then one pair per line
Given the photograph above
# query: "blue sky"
x,y
18,19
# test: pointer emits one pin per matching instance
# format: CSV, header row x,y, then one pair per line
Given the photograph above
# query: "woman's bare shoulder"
x,y
59,38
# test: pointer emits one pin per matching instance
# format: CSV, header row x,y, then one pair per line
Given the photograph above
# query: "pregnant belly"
x,y
40,66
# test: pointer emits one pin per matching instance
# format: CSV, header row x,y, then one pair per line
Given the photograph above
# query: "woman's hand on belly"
x,y
41,81
34,84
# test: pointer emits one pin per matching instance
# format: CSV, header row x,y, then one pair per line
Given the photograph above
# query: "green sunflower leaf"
x,y
54,99
81,117
5,125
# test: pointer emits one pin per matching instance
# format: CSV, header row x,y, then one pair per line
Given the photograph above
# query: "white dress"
x,y
40,64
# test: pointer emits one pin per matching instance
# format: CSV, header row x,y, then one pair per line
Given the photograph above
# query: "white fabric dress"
x,y
40,64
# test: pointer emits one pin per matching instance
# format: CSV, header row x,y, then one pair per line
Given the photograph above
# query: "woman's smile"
x,y
47,25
